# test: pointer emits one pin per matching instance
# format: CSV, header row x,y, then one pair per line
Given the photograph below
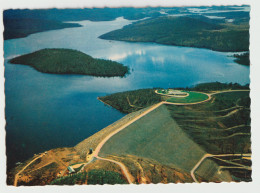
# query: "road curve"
x,y
211,155
100,145
122,166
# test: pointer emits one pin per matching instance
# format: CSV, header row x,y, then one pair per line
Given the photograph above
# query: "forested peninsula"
x,y
67,61
185,31
242,59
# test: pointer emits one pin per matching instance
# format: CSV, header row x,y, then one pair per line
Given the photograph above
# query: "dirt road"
x,y
122,166
17,175
211,155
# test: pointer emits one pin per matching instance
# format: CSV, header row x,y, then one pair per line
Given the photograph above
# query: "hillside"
x,y
22,27
20,23
67,61
185,31
158,137
131,101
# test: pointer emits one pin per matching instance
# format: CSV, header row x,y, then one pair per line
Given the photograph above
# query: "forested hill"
x,y
67,61
185,31
20,23
22,27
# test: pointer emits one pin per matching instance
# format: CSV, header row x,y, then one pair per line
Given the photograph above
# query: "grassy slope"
x,y
157,136
67,61
192,98
185,31
219,127
94,140
208,124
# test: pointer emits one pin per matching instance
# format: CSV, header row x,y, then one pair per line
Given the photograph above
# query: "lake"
x,y
45,111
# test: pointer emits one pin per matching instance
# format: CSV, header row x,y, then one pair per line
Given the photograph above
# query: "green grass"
x,y
192,98
68,61
156,136
208,123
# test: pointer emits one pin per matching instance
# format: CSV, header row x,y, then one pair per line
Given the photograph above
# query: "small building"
x,y
176,92
71,170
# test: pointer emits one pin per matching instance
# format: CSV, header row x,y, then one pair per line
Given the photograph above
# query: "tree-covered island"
x,y
67,61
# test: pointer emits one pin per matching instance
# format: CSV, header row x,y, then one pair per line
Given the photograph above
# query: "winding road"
x,y
122,166
101,144
208,156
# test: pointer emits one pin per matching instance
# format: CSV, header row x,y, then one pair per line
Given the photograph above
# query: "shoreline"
x,y
104,102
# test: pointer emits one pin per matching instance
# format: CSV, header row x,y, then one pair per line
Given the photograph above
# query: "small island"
x,y
242,58
67,61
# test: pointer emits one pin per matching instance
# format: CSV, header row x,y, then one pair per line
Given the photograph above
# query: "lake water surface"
x,y
45,111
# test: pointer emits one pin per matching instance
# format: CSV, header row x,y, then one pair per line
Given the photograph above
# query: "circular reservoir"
x,y
192,97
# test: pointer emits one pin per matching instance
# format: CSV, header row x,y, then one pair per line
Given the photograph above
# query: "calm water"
x,y
45,111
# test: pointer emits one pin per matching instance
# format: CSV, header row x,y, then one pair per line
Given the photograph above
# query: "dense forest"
x,y
242,59
22,27
92,177
67,61
23,22
212,86
130,101
185,31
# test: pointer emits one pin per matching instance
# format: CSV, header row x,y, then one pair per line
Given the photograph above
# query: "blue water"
x,y
45,111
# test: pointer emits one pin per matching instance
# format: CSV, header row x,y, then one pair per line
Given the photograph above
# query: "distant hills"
x,y
23,22
185,31
20,23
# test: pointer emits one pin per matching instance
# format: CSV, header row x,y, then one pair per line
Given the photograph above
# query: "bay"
x,y
45,111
